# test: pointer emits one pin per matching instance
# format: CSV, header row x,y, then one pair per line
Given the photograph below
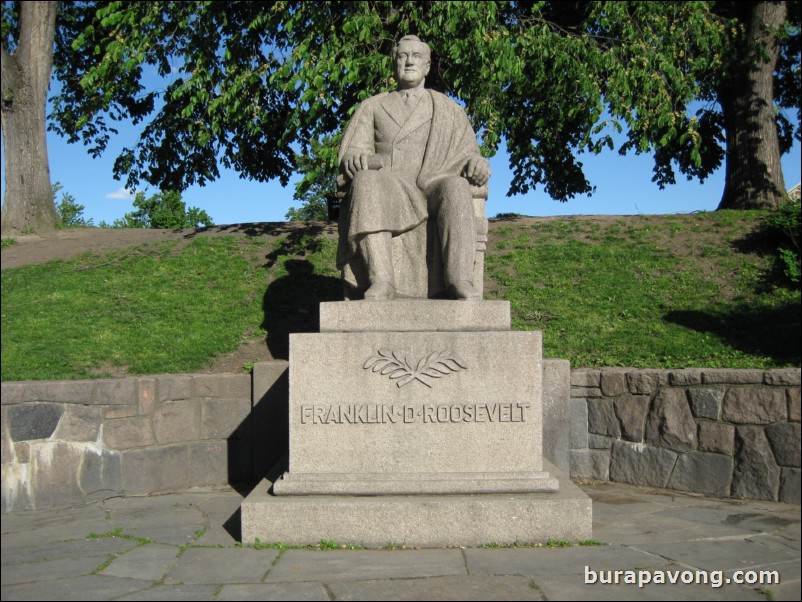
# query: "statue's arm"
x,y
358,150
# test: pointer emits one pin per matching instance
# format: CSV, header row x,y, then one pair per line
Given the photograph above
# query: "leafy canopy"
x,y
252,86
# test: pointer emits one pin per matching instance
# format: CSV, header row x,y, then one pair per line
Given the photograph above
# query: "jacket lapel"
x,y
394,106
420,115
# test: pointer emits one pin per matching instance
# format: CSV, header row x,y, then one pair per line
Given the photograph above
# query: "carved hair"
x,y
411,38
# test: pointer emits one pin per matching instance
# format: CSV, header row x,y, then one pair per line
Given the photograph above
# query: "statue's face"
x,y
411,63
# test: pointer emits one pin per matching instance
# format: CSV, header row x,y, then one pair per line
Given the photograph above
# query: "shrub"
x,y
70,212
783,226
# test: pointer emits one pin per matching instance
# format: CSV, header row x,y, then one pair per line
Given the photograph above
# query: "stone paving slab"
x,y
539,562
731,555
48,571
49,550
151,562
89,587
355,565
274,591
221,565
174,593
560,589
467,587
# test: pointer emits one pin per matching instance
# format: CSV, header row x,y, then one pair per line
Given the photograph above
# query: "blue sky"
x,y
623,187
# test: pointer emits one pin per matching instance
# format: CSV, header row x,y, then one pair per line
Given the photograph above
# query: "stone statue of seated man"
x,y
410,158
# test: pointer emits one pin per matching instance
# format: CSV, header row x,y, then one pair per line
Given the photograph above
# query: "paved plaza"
x,y
185,547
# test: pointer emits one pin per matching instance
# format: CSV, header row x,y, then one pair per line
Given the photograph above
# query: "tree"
x,y
163,210
316,191
745,92
254,85
26,57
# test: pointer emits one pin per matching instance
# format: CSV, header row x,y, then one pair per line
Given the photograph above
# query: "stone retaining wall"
x,y
725,433
718,432
68,442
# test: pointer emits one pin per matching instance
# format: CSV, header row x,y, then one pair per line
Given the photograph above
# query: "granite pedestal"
x,y
424,415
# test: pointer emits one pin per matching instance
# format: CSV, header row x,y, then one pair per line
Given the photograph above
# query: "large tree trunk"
x,y
753,178
28,200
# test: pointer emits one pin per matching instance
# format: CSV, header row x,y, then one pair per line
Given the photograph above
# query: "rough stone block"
x,y
602,419
716,437
155,470
208,463
124,411
15,483
557,412
646,382
12,392
241,462
100,475
429,315
789,376
265,376
579,424
117,391
784,438
222,418
269,424
631,411
670,423
756,475
33,421
410,412
600,441
706,402
790,485
590,464
794,404
585,378
177,421
585,392
228,386
55,469
728,376
7,445
613,382
80,423
22,451
173,388
702,473
641,464
681,378
61,391
754,405
146,395
125,433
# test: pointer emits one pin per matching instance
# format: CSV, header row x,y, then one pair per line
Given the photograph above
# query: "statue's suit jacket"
x,y
432,141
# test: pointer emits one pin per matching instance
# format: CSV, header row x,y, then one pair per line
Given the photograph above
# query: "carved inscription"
x,y
398,367
374,413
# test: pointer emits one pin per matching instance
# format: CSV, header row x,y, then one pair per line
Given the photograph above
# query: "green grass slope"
x,y
644,291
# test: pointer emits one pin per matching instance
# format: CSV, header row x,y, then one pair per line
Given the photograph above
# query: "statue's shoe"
x,y
380,291
464,289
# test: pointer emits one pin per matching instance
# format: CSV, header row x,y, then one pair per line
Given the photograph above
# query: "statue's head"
x,y
412,60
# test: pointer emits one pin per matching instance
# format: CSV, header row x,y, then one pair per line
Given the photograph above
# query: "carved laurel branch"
x,y
398,368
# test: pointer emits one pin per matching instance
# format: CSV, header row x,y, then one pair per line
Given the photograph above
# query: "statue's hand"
x,y
357,163
477,171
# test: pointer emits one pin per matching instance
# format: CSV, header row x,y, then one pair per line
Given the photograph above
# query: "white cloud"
x,y
121,194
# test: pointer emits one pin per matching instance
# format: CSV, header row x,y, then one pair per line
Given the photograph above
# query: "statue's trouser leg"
x,y
453,206
377,252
